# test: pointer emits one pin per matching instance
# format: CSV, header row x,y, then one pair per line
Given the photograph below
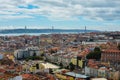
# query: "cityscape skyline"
x,y
73,14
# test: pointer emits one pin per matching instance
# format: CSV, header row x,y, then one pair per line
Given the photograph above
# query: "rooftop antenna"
x,y
85,29
52,33
25,27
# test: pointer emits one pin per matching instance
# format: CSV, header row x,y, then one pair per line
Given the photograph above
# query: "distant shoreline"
x,y
19,34
32,34
41,31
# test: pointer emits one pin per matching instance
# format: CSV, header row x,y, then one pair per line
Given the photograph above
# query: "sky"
x,y
61,14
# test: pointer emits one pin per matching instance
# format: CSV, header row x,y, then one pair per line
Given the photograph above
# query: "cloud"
x,y
15,17
101,10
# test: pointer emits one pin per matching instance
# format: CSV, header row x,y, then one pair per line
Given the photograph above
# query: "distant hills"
x,y
7,31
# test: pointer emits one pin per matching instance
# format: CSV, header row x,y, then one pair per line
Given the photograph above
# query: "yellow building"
x,y
74,61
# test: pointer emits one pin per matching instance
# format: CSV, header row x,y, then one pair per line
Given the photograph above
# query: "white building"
x,y
24,53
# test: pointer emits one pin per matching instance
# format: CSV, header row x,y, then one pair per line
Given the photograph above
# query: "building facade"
x,y
24,53
110,56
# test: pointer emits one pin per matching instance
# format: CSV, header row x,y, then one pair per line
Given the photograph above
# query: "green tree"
x,y
71,66
34,54
50,71
42,55
61,65
96,54
97,49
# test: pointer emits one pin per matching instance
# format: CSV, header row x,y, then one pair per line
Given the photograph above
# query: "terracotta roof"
x,y
2,70
102,68
110,50
30,77
26,75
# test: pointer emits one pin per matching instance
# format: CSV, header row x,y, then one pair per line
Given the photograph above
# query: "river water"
x,y
37,34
